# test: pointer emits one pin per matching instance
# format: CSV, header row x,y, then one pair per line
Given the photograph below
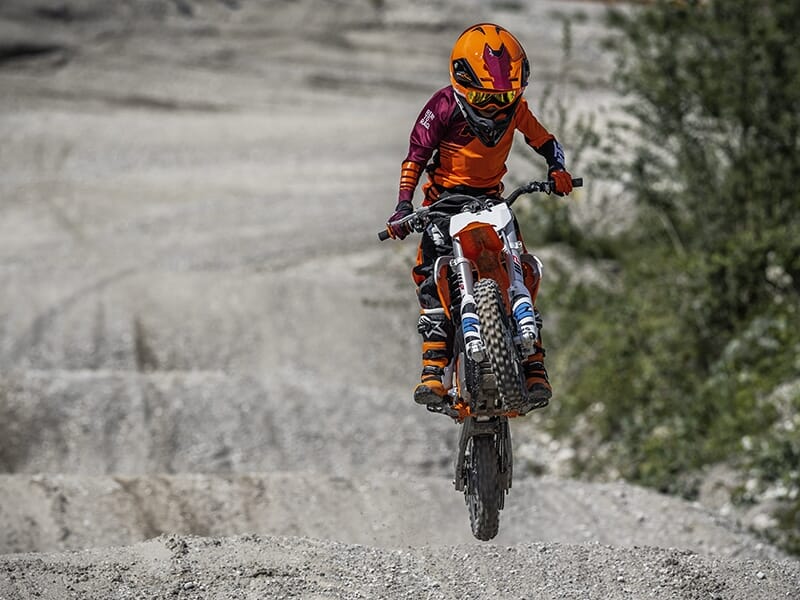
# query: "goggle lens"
x,y
481,99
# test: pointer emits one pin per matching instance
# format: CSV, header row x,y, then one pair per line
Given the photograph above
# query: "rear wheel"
x,y
500,348
482,491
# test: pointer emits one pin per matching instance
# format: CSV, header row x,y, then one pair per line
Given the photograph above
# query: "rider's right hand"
x,y
401,211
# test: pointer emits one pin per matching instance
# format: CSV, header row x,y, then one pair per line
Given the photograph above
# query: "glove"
x,y
562,182
400,230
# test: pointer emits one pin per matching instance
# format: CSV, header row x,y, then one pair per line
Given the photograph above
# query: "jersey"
x,y
460,160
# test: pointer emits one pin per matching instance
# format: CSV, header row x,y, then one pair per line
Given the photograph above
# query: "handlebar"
x,y
414,216
547,187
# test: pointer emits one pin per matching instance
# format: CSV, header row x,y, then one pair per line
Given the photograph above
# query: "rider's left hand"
x,y
562,182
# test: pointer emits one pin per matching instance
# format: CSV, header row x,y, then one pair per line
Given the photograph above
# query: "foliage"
x,y
691,347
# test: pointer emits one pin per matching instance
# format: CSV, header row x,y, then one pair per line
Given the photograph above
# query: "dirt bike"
x,y
487,288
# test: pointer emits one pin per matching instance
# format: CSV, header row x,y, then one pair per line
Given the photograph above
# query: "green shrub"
x,y
687,351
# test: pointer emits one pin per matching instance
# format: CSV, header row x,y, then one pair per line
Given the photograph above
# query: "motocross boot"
x,y
436,331
536,380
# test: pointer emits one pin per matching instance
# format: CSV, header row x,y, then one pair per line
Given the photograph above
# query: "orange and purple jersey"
x,y
460,160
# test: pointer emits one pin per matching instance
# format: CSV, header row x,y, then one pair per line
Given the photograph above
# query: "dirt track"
x,y
201,336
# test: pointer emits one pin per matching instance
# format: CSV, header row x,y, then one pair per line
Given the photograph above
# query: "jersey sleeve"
x,y
538,138
425,136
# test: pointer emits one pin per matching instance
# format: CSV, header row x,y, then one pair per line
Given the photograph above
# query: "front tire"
x,y
500,348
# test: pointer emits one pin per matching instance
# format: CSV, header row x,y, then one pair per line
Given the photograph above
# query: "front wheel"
x,y
483,492
500,348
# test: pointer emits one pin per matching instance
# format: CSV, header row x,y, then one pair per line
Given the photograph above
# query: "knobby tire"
x,y
499,343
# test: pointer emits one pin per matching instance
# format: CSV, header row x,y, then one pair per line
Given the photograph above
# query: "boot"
x,y
436,331
539,390
430,389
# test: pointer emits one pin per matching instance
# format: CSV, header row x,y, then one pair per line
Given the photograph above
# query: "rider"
x,y
462,139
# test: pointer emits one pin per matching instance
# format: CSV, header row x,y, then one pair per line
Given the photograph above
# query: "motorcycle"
x,y
487,287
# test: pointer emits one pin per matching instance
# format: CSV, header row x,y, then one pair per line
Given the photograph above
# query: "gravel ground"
x,y
207,357
274,567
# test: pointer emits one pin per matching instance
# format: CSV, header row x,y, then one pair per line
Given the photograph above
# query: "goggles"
x,y
499,99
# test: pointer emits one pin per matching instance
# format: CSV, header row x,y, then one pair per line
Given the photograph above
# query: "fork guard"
x,y
440,271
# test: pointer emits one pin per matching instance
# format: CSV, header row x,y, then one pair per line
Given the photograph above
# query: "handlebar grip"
x,y
383,235
577,182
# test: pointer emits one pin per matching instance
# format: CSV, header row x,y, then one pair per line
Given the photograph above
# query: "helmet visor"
x,y
484,99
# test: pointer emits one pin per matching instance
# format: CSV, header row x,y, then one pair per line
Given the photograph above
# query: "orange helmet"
x,y
488,71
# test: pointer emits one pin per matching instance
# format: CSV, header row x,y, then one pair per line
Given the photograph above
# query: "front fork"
x,y
470,324
521,302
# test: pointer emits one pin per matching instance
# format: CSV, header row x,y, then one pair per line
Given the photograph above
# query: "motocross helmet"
x,y
488,71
